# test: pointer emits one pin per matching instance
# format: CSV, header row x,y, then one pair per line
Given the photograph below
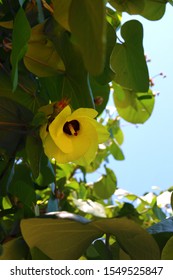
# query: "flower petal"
x,y
83,112
101,130
89,156
56,130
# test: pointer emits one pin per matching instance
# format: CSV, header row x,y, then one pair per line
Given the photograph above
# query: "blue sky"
x,y
148,149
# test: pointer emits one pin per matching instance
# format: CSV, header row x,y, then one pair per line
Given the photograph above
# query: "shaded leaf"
x,y
46,174
154,10
98,251
24,95
87,23
21,35
131,6
71,238
15,249
37,254
107,74
128,60
62,239
76,76
7,24
167,252
24,192
61,12
14,119
34,151
42,63
106,186
131,237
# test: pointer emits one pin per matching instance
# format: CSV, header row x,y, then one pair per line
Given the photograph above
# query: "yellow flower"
x,y
73,136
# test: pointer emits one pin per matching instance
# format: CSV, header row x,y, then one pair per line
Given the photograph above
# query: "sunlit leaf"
x,y
132,106
116,151
113,17
90,207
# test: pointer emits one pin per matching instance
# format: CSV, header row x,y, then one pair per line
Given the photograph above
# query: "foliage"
x,y
80,52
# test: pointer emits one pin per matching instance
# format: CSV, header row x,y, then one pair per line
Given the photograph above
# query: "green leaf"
x,y
107,74
26,94
87,23
42,63
100,93
116,151
154,10
24,192
106,186
132,238
61,12
15,249
6,174
62,239
67,239
21,35
37,254
128,60
134,107
167,252
158,212
113,17
76,76
98,251
34,151
14,119
1,250
131,6
46,174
